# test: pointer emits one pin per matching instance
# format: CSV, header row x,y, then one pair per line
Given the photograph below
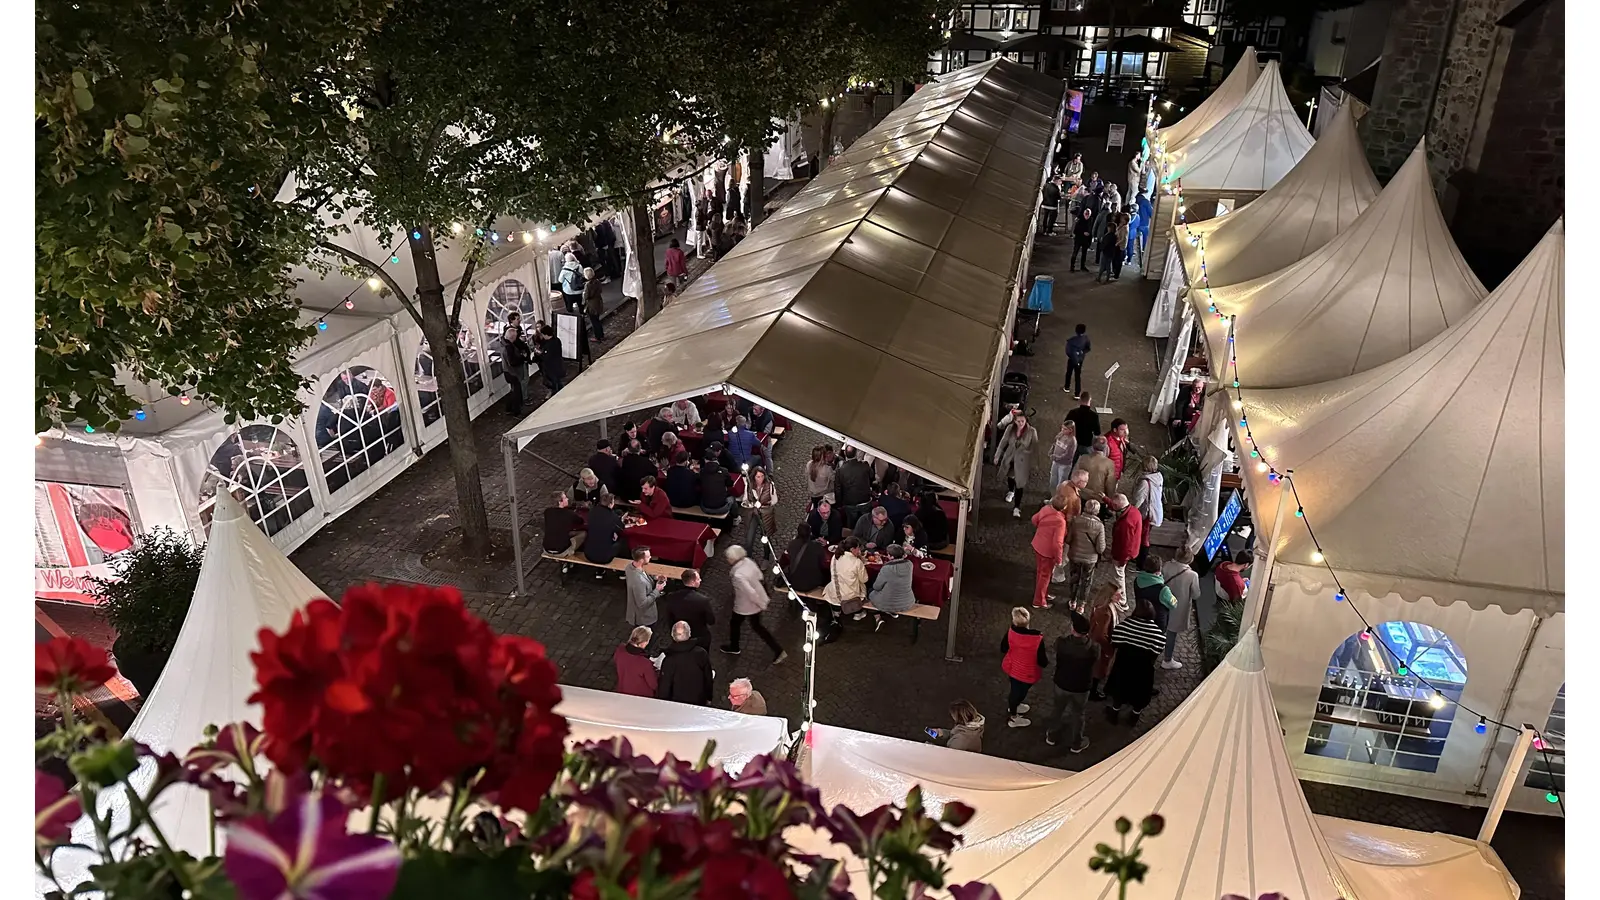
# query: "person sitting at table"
x,y
652,502
660,425
819,474
852,484
761,421
847,589
807,569
874,530
745,445
712,432
587,489
935,524
891,588
563,531
670,445
716,486
827,522
760,502
895,502
604,464
636,464
686,415
604,542
719,451
630,433
683,483
912,536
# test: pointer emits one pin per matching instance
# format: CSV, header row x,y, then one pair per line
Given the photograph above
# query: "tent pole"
x,y
1508,781
1505,700
605,433
955,587
1258,584
516,520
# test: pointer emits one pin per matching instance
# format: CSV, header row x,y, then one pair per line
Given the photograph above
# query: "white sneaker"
x,y
1011,495
1016,513
1018,722
1171,664
1021,707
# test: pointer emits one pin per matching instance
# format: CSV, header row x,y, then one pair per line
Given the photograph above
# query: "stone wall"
x,y
1402,102
1460,86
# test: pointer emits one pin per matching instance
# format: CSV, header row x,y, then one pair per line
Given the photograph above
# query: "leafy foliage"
x,y
149,597
162,131
1224,634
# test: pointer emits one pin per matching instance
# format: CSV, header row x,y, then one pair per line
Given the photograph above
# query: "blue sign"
x,y
1219,531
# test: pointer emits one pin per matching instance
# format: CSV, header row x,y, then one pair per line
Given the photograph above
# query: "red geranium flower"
x,y
70,665
734,876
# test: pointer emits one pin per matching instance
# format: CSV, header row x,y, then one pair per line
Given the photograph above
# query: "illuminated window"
x,y
1132,63
262,467
358,424
428,382
1389,697
509,296
1548,771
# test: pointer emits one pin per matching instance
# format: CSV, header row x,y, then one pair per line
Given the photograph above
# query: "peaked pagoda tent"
x,y
1320,197
899,267
1232,163
1216,107
1437,476
658,727
1215,768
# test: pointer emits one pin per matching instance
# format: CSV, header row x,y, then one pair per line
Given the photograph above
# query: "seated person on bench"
x,y
715,487
808,566
604,541
683,483
934,522
891,590
761,421
826,522
652,502
563,528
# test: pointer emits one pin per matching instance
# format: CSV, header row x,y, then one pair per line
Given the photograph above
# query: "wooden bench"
x,y
948,551
619,564
916,613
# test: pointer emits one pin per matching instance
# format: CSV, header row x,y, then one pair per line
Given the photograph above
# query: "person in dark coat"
x,y
636,464
826,522
1082,240
807,569
852,483
636,674
551,365
630,433
686,670
563,530
873,530
894,501
515,351
1138,641
935,524
716,483
689,604
603,541
604,464
683,484
658,426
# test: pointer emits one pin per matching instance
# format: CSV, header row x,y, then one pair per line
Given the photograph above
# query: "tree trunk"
x,y
828,114
441,337
756,197
637,219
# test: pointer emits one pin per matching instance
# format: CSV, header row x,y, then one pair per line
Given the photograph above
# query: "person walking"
x,y
686,673
966,730
1101,471
750,599
1086,421
1086,543
1050,199
636,674
1013,456
689,604
1106,250
744,698
846,588
1078,348
1023,661
642,589
1082,240
593,304
677,267
1120,224
1132,682
1184,583
1049,542
1076,656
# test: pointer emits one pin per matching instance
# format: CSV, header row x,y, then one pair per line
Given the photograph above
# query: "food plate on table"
x,y
928,567
632,521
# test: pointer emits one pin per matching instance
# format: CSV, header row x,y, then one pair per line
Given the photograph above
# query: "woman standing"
x,y
593,304
1086,544
1024,662
1149,497
1049,542
1016,447
1123,224
760,502
819,472
571,282
1063,452
1139,641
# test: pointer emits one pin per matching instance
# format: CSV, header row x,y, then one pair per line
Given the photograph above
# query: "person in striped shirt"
x,y
1138,641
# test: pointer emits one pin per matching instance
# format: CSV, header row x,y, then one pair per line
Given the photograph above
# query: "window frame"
x,y
339,475
295,505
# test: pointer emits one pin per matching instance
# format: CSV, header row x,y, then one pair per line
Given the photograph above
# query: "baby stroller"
x,y
1014,389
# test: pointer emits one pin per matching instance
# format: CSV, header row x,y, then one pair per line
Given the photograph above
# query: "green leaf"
x,y
434,874
136,144
79,80
173,231
133,121
82,99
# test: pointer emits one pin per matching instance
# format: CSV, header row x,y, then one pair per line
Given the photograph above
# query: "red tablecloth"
x,y
931,587
952,510
692,441
673,540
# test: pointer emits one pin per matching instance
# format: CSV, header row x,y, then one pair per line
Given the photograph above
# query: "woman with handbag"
x,y
1049,539
847,588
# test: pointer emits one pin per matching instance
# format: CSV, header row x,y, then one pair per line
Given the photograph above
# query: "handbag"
x,y
1058,575
848,606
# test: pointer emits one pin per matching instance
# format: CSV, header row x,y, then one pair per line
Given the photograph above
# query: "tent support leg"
x,y
1505,701
516,519
606,434
1262,574
955,587
1508,782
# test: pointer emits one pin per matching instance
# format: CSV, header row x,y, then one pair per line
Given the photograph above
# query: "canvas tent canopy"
x,y
1215,107
1441,473
1215,769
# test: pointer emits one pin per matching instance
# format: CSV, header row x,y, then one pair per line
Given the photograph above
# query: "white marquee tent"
x,y
1215,768
1320,197
1435,483
1215,107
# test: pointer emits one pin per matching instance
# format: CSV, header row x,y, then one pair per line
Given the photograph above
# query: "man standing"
x,y
1076,656
1084,420
852,485
1101,481
1082,239
689,605
1077,349
685,670
636,674
744,698
642,589
1125,535
1074,173
1047,207
750,599
1184,584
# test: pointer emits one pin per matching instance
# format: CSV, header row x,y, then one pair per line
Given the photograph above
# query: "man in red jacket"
x,y
1126,535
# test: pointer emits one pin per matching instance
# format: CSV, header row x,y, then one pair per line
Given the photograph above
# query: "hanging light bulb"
x,y
1338,597
777,570
375,283
1316,556
1538,743
183,400
1238,404
1482,726
494,237
456,228
394,259
1299,512
527,237
322,326
1436,701
764,539
349,304
1402,670
139,414
89,429
416,235
1366,634
38,440
1550,797
1261,467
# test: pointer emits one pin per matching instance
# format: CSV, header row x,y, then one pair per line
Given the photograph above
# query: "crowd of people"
x,y
1105,228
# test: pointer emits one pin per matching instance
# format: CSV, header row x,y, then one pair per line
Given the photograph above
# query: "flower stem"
x,y
136,802
377,803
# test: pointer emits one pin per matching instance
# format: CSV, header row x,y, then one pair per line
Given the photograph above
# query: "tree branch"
x,y
465,283
378,271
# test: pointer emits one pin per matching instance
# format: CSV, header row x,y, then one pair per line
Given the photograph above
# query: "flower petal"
x,y
258,867
368,867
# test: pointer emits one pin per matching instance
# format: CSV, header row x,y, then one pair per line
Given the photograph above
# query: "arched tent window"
x,y
358,423
262,467
1548,771
1381,707
509,296
428,382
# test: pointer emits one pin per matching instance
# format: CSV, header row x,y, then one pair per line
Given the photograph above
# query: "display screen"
x,y
1225,520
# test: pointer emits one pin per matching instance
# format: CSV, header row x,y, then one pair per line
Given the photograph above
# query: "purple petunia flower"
x,y
54,810
305,854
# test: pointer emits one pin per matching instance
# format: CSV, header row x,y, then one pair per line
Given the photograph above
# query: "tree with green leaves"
x,y
161,131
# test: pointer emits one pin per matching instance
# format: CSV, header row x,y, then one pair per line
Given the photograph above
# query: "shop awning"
x,y
876,304
1041,43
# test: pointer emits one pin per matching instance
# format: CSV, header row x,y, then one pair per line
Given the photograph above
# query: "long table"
x,y
674,540
930,586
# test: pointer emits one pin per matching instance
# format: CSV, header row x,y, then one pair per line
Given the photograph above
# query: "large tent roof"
x,y
1321,196
1383,287
896,269
1441,473
1252,148
1215,768
1216,106
656,728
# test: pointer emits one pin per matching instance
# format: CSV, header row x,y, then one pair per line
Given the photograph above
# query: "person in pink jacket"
x,y
1049,541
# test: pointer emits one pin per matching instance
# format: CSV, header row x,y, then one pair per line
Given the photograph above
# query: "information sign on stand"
x,y
1106,410
567,333
1115,137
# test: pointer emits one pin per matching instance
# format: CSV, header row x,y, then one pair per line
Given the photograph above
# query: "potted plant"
x,y
146,602
1180,473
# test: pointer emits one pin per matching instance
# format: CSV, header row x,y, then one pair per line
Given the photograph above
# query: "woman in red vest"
x,y
1024,662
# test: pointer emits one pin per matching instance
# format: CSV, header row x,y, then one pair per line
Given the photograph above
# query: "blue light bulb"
x,y
394,259
1481,727
139,414
416,235
322,326
1339,597
89,429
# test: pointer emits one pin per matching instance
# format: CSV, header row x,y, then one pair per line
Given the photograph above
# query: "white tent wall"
x,y
1178,340
474,312
1173,280
1304,629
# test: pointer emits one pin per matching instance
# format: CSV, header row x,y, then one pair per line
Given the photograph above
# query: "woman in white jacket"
x,y
1148,496
847,588
750,599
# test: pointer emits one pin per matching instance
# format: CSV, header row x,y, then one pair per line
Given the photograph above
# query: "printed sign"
x,y
1116,136
77,529
567,333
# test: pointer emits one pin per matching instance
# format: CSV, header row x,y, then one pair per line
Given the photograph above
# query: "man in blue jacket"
x,y
745,445
1077,350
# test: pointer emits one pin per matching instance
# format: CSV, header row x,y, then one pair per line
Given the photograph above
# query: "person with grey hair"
x,y
874,530
660,425
571,280
744,698
1086,543
594,306
1102,471
750,600
891,590
686,673
685,414
636,674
